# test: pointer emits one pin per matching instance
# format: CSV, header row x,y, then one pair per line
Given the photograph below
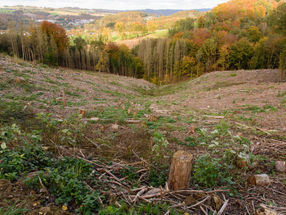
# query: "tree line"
x,y
227,38
49,44
247,38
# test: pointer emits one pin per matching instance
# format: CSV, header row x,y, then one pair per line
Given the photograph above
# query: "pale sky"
x,y
118,4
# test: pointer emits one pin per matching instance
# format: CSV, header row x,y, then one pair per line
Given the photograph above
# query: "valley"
x,y
121,117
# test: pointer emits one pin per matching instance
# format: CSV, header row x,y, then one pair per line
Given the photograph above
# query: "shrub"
x,y
210,172
207,171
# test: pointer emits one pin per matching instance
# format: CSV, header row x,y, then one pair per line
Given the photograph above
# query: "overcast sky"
x,y
118,4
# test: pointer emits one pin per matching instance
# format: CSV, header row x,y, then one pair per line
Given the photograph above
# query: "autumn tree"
x,y
283,64
57,41
240,54
277,21
223,60
188,64
253,34
182,25
208,54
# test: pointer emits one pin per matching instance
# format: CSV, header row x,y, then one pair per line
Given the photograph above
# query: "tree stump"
x,y
280,166
179,176
259,180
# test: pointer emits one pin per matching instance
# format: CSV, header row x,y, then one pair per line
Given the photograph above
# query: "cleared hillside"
x,y
128,130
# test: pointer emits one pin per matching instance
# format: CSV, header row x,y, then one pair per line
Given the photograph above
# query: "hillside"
x,y
128,130
67,17
132,24
73,17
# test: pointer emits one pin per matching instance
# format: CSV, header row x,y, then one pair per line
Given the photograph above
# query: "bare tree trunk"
x,y
179,176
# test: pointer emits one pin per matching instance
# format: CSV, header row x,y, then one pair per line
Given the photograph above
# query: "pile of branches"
x,y
186,200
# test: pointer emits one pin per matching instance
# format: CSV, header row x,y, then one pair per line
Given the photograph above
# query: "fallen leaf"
x,y
64,208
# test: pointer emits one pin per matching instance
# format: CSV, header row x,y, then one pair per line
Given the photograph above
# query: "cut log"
x,y
19,80
260,180
181,166
95,119
280,166
83,113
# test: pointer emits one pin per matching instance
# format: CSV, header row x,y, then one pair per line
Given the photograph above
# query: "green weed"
x,y
281,94
233,75
210,172
155,209
12,210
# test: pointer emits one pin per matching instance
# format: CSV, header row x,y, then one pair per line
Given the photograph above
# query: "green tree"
x,y
208,53
182,25
277,19
283,65
253,34
240,54
222,62
188,64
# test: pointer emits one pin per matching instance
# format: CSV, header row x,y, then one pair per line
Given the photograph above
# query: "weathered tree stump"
x,y
259,180
179,176
280,166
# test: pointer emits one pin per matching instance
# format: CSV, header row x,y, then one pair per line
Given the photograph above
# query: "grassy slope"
x,y
245,103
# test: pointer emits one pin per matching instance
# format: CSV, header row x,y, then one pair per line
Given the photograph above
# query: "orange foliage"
x,y
200,36
222,26
225,38
242,8
178,35
57,32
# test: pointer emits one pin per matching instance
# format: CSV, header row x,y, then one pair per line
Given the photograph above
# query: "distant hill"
x,y
73,17
168,12
67,17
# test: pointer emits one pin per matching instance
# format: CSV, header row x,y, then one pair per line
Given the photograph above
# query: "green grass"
x,y
281,94
223,84
113,114
14,111
4,85
233,75
12,210
6,11
69,93
50,81
159,33
255,109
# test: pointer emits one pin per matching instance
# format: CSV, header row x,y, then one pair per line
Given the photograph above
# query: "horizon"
x,y
116,4
82,8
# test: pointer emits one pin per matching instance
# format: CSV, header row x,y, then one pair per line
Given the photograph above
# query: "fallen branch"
x,y
199,203
220,212
214,117
254,128
93,143
43,186
139,194
186,192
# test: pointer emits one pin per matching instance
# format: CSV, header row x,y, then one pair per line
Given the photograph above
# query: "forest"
x,y
226,38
